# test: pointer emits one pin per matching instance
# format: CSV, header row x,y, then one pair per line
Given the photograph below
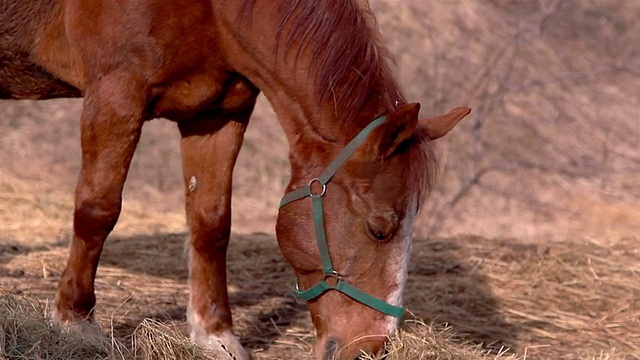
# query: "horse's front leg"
x,y
112,119
210,147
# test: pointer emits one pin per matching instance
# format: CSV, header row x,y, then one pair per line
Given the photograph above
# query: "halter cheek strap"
x,y
321,238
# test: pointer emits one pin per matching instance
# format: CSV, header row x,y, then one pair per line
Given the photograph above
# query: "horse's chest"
x,y
199,92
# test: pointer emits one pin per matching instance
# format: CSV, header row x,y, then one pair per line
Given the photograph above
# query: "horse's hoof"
x,y
224,346
85,327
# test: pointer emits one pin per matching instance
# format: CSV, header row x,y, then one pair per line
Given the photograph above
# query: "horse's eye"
x,y
377,232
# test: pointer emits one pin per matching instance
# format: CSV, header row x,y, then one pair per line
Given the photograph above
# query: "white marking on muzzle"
x,y
400,267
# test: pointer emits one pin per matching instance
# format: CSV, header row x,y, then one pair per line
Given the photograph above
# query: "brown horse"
x,y
201,63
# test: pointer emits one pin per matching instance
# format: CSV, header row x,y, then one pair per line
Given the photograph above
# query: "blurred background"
x,y
551,150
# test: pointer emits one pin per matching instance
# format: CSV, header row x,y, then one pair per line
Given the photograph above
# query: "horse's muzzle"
x,y
332,351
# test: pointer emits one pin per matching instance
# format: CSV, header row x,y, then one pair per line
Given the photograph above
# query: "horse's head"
x,y
346,224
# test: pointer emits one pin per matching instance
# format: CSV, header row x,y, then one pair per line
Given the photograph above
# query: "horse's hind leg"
x,y
209,150
112,119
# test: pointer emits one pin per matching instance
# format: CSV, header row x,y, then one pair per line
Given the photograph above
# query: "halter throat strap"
x,y
338,284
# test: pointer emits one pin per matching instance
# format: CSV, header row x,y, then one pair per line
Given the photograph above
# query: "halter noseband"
x,y
318,221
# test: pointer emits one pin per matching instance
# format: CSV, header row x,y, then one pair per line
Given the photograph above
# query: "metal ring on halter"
x,y
324,188
333,275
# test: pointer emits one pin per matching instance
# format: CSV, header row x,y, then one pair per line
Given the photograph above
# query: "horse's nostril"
x,y
331,349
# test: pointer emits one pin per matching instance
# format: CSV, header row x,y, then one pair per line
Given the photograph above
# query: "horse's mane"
x,y
350,66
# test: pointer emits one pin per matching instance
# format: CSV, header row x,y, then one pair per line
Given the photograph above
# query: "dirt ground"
x,y
530,241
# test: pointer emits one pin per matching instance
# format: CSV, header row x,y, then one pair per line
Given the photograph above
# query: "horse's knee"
x,y
94,217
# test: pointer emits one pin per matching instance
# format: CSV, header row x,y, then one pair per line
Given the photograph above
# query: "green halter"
x,y
318,220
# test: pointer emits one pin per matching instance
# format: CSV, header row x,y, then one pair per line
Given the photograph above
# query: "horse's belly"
x,y
22,79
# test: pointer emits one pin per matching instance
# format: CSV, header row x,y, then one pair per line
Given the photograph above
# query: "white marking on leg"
x,y
192,184
223,345
85,327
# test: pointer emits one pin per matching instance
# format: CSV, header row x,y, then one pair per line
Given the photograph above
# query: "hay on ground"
x,y
27,333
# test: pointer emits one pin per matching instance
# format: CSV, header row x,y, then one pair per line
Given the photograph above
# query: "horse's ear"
x,y
397,128
439,126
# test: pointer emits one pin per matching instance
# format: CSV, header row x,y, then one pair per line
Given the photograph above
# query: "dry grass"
x,y
26,332
479,298
154,340
418,340
554,300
